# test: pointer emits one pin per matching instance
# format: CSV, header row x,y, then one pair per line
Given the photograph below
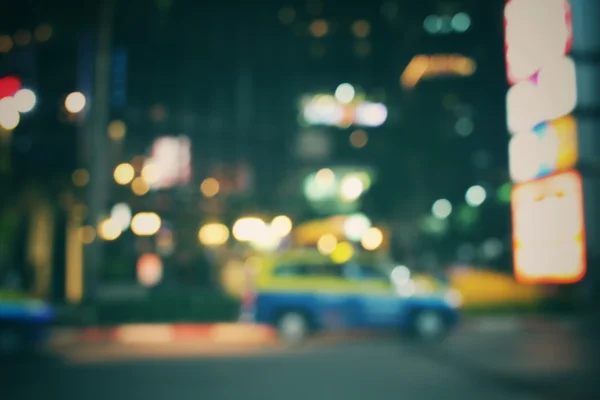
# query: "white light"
x,y
441,209
75,102
355,226
532,155
121,215
248,228
475,196
145,224
400,275
371,114
345,93
9,114
461,22
25,100
281,226
351,188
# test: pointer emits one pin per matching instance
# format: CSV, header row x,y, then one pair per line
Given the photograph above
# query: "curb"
x,y
516,324
222,333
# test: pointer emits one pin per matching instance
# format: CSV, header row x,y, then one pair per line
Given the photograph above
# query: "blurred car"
x,y
24,323
305,293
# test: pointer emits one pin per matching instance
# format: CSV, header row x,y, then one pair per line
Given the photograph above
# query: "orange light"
x,y
549,230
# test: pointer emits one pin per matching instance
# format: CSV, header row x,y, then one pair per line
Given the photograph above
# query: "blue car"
x,y
23,325
300,295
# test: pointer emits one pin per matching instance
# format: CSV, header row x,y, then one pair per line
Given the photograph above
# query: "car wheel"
x,y
429,325
293,327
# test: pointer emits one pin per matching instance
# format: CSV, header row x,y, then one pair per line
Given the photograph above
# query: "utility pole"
x,y
585,15
99,151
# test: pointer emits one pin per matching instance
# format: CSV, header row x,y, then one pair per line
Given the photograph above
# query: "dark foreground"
x,y
551,364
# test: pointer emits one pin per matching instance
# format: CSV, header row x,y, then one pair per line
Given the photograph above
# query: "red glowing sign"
x,y
536,33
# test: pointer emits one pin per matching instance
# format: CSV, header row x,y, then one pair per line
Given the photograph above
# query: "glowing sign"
x,y
549,230
422,67
548,148
327,110
549,94
536,33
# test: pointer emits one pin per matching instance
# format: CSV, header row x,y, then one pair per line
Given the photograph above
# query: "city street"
x,y
467,366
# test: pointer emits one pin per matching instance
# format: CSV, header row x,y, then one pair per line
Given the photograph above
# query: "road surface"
x,y
468,366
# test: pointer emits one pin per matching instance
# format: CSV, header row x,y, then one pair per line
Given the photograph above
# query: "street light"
x,y
75,102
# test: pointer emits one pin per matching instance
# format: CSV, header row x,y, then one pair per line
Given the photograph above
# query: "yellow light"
x,y
210,187
150,173
139,187
75,102
109,230
319,28
281,226
145,224
343,252
117,130
361,28
80,177
327,244
372,239
87,234
43,33
123,173
247,228
213,234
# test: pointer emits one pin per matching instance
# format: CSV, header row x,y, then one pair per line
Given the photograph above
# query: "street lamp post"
x,y
99,168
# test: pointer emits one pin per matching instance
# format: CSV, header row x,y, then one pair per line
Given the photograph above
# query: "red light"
x,y
9,86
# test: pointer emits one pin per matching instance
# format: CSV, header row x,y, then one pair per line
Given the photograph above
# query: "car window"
x,y
356,271
290,271
300,270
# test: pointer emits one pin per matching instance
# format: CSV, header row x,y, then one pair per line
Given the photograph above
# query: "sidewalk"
x,y
557,358
218,333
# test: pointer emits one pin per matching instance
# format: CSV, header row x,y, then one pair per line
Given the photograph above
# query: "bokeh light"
x,y
441,209
109,229
139,186
326,244
281,225
124,173
210,187
247,228
25,100
80,177
475,196
214,234
117,130
9,114
372,239
145,224
75,102
359,138
343,253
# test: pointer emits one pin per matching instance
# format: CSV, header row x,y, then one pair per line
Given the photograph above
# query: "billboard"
x,y
536,33
547,148
548,230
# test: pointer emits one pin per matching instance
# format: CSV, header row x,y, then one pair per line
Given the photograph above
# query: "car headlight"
x,y
453,298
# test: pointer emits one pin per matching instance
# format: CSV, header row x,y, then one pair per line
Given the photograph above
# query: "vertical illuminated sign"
x,y
547,202
548,230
